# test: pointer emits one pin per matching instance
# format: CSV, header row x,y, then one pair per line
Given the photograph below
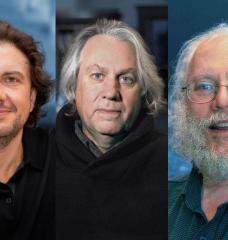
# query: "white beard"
x,y
189,138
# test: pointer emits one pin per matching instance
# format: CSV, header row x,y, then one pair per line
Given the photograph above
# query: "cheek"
x,y
132,101
22,102
25,102
200,110
85,99
19,97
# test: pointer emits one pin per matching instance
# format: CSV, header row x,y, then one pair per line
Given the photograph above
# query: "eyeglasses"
x,y
202,91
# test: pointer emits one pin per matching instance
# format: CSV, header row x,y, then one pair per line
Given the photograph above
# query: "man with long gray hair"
x,y
111,163
198,203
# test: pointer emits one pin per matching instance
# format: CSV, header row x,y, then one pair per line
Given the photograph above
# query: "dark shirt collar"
x,y
193,190
88,143
82,137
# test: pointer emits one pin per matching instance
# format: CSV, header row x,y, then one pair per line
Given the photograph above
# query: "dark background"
x,y
149,17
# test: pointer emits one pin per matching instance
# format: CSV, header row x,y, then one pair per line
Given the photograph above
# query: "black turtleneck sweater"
x,y
120,195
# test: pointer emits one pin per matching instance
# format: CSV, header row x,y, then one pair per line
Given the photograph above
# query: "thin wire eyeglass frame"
x,y
188,93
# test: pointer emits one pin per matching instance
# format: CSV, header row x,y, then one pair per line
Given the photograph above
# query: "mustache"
x,y
214,119
10,107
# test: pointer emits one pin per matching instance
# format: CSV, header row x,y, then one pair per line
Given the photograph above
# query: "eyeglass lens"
x,y
202,91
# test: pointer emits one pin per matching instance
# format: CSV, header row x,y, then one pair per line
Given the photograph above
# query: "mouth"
x,y
220,126
4,110
3,113
108,110
109,113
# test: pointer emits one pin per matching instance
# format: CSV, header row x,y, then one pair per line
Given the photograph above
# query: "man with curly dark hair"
x,y
26,195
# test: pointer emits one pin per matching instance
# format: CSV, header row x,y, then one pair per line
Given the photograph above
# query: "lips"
x,y
223,125
3,113
109,114
109,110
4,110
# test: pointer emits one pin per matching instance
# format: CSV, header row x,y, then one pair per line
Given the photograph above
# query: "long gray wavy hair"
x,y
151,84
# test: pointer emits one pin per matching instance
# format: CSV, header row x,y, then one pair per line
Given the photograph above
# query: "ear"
x,y
32,99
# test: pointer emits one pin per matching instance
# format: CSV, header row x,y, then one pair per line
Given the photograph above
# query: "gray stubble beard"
x,y
8,136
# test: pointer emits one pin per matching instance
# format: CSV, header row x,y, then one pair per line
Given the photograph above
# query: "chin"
x,y
12,128
5,130
109,129
220,148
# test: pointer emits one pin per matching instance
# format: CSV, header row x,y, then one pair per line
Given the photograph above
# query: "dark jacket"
x,y
120,195
28,214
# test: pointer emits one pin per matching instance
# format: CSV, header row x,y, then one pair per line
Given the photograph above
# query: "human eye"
x,y
204,87
126,79
97,76
11,80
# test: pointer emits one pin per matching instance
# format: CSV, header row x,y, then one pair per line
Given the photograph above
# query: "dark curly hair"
x,y
39,78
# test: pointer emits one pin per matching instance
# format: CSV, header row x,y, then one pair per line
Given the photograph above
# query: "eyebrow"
x,y
13,73
104,69
204,76
128,70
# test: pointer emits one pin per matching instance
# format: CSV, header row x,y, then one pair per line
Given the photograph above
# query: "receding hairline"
x,y
204,46
107,38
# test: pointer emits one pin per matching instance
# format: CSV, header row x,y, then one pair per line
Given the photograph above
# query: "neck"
x,y
213,196
103,142
11,155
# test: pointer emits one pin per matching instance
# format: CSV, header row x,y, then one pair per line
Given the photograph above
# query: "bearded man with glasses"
x,y
198,203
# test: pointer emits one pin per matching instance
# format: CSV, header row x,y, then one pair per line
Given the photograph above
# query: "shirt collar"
x,y
82,137
193,190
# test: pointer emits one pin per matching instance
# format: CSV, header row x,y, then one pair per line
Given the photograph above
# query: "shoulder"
x,y
151,134
158,142
65,121
176,186
65,114
149,128
161,138
36,143
36,136
36,132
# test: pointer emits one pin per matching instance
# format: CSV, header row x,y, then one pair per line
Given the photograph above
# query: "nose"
x,y
2,94
111,90
221,99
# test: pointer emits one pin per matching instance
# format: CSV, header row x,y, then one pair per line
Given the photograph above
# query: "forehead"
x,y
211,56
108,51
11,58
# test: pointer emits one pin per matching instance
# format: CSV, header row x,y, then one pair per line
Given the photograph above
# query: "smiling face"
x,y
16,95
210,61
108,92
